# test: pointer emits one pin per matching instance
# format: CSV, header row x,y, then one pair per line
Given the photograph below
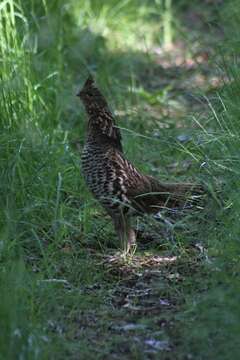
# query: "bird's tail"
x,y
169,195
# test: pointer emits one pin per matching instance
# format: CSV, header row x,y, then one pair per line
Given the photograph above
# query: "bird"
x,y
121,189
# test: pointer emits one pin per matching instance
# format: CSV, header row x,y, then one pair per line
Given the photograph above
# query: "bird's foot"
x,y
131,248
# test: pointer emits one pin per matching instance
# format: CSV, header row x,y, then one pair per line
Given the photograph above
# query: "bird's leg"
x,y
131,237
125,232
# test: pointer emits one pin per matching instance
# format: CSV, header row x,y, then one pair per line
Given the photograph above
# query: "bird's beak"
x,y
79,94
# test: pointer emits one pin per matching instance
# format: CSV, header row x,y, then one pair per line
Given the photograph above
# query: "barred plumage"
x,y
119,187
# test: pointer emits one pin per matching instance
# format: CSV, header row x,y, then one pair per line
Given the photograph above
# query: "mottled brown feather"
x,y
120,188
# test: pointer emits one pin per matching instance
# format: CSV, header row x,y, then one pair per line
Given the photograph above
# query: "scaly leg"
x,y
125,232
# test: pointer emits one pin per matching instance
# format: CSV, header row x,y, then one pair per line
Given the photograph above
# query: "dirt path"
x,y
150,290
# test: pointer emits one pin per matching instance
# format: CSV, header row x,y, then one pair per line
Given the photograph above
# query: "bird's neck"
x,y
101,121
101,126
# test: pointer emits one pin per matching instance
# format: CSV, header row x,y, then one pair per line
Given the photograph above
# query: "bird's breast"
x,y
104,175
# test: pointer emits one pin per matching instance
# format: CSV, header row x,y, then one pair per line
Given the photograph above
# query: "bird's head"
x,y
91,96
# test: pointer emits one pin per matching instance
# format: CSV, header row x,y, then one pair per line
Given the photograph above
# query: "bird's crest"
x,y
88,86
100,116
89,82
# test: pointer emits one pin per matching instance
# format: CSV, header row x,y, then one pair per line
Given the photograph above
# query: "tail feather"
x,y
168,195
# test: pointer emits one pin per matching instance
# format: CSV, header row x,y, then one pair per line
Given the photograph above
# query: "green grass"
x,y
61,296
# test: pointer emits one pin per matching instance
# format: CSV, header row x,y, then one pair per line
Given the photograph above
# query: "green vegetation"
x,y
173,79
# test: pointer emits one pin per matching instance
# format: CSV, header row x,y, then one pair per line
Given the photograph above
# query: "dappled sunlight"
x,y
119,23
151,264
162,71
132,263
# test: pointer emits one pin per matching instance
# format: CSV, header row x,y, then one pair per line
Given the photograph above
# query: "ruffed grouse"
x,y
119,187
